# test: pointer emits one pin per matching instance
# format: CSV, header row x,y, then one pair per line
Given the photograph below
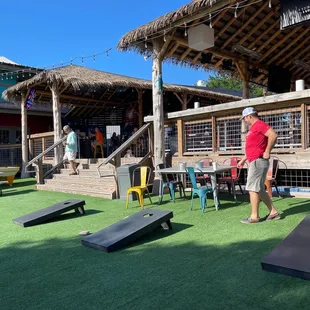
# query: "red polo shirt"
x,y
256,141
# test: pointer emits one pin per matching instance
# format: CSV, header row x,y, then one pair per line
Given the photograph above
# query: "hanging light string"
x,y
31,71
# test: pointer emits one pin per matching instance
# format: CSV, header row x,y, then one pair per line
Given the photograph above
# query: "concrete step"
x,y
108,194
78,183
83,178
87,172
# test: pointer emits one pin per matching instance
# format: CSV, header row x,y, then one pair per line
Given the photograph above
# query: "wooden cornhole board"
x,y
43,215
292,256
128,230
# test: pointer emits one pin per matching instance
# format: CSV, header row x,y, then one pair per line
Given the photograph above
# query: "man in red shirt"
x,y
259,142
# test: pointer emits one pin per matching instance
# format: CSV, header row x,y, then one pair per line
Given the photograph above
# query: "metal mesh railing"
x,y
228,133
171,138
198,136
287,124
11,156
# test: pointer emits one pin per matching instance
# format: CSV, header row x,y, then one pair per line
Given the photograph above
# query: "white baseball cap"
x,y
248,111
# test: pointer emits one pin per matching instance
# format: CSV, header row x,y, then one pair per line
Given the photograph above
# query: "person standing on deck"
x,y
71,148
260,140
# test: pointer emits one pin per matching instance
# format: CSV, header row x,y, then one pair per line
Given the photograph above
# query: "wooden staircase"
x,y
87,182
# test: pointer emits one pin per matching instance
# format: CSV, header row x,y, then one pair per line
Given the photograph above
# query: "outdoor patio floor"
x,y
208,261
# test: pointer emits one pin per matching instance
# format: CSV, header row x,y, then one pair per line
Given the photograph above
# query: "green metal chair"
x,y
201,191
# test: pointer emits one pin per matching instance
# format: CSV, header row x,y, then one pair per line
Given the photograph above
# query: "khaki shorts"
x,y
70,156
257,172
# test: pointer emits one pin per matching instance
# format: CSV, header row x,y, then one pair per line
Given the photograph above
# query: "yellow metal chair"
x,y
145,174
101,149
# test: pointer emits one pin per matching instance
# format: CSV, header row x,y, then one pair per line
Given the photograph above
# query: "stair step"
x,y
76,184
82,178
86,172
79,191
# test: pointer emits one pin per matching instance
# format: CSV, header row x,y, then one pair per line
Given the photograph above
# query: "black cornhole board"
x,y
128,230
48,213
292,256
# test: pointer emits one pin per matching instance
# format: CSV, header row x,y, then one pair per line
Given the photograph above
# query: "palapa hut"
x,y
87,93
248,38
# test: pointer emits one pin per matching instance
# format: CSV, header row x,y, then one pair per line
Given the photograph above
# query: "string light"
x,y
165,36
185,32
237,6
270,4
210,18
145,45
94,57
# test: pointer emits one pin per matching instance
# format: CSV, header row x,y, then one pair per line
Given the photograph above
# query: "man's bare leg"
x,y
255,200
268,202
73,166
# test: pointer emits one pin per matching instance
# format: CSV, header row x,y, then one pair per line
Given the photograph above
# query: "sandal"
x,y
272,217
249,220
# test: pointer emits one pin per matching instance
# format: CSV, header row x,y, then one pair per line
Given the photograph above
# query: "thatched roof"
x,y
80,82
162,23
257,27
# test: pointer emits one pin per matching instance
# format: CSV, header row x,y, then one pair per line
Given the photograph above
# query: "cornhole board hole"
x,y
43,215
129,229
292,256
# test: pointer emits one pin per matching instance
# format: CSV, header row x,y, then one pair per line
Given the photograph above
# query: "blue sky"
x,y
42,33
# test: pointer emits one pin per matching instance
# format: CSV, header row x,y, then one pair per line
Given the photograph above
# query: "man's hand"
x,y
241,163
266,155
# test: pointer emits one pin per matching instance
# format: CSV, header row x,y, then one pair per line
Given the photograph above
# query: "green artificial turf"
x,y
208,261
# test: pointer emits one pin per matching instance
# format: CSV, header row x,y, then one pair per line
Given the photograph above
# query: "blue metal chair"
x,y
169,181
201,191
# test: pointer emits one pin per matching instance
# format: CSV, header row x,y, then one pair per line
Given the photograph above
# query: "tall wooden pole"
x,y
24,134
243,69
158,104
57,121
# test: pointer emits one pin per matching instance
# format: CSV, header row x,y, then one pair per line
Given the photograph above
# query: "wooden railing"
x,y
115,157
225,134
38,161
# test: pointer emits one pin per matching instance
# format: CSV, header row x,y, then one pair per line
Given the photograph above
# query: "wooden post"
x,y
243,69
158,104
24,135
57,122
180,138
140,107
304,142
214,142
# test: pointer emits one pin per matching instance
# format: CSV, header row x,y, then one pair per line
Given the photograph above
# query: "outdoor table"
x,y
206,170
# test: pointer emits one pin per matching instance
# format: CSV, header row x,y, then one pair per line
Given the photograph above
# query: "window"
x,y
4,136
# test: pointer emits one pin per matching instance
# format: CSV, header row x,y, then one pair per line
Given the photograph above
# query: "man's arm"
x,y
272,139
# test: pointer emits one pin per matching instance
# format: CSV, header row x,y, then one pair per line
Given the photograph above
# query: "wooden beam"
x,y
180,138
24,134
288,46
80,99
279,43
261,47
183,56
262,22
300,48
243,68
174,48
304,131
244,26
140,107
158,102
57,122
269,28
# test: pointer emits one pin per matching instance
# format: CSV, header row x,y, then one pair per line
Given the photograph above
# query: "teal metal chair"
x,y
201,191
168,180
